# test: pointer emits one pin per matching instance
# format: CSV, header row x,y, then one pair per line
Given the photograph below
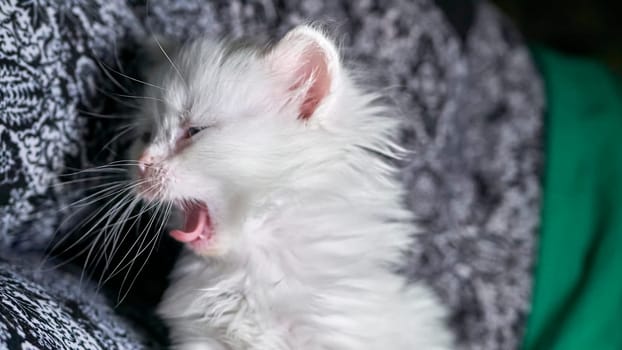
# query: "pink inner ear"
x,y
314,67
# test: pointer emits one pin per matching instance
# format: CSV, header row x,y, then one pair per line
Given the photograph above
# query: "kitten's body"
x,y
305,216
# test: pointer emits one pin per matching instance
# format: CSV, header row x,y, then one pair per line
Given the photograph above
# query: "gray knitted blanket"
x,y
458,73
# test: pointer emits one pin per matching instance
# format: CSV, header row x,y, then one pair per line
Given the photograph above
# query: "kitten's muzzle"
x,y
151,176
145,161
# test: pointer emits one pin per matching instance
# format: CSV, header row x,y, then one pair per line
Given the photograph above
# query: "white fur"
x,y
308,217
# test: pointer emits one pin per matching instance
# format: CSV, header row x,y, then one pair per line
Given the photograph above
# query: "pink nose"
x,y
145,161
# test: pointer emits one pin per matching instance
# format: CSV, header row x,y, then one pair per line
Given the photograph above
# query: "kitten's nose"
x,y
145,161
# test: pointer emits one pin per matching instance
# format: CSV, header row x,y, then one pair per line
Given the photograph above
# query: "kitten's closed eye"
x,y
193,130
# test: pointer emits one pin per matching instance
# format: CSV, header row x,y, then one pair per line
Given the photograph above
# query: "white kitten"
x,y
293,217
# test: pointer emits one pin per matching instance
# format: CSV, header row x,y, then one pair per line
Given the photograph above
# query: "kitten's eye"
x,y
193,130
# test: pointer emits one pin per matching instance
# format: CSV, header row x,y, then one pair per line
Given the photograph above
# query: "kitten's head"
x,y
229,122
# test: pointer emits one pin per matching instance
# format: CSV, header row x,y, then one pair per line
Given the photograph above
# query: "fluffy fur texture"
x,y
290,157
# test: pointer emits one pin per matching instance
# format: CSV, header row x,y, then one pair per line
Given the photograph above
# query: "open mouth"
x,y
198,231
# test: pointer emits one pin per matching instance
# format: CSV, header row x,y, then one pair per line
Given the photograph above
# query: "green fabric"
x,y
577,298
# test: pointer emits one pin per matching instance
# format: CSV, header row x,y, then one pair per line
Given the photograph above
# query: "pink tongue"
x,y
196,220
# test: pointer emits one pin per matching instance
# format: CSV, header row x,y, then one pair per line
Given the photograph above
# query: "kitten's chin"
x,y
198,232
215,248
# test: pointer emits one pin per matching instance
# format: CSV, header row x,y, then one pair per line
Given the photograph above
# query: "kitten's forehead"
x,y
212,79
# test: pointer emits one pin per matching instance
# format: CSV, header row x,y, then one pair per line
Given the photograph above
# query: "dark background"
x,y
585,27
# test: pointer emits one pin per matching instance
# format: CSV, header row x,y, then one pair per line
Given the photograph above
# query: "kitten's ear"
x,y
309,64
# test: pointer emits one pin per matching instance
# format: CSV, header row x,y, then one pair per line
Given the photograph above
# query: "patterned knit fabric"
x,y
40,310
464,85
50,58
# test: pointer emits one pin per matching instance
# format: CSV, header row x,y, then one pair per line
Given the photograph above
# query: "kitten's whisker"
x,y
86,179
125,217
110,167
119,265
114,237
140,97
97,196
103,116
127,126
70,235
108,216
52,245
95,170
107,73
109,228
136,80
144,233
171,62
151,243
118,100
123,131
83,223
73,204
124,161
